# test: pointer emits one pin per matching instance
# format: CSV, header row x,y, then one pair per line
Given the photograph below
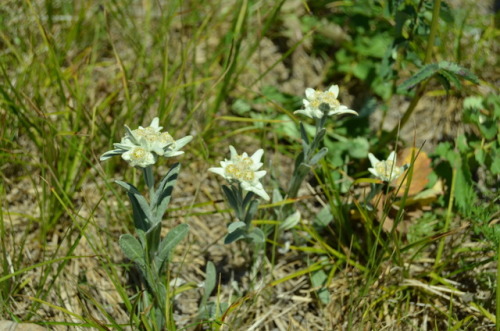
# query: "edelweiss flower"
x,y
243,169
385,170
142,146
318,104
139,157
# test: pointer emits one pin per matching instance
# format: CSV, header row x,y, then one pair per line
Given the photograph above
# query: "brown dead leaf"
x,y
421,171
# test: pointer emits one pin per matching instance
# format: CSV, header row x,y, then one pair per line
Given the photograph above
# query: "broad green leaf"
x,y
277,197
213,310
172,239
480,155
473,102
362,69
318,280
358,147
241,107
235,235
291,221
489,128
257,236
235,225
373,46
132,249
323,218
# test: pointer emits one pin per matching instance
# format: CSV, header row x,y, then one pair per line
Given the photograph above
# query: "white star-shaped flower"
x,y
244,169
385,170
320,103
142,146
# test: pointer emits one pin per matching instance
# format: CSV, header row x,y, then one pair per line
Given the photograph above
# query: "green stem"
x,y
421,89
434,27
303,168
150,180
447,220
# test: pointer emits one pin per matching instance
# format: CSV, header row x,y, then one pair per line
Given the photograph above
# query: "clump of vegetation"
x,y
361,191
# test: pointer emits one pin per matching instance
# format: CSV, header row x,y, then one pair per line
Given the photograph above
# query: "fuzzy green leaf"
x,y
235,225
277,196
291,221
322,219
164,191
210,281
153,237
172,239
257,236
252,209
424,73
237,234
317,139
458,70
449,77
318,280
318,156
232,200
132,249
358,147
247,199
140,207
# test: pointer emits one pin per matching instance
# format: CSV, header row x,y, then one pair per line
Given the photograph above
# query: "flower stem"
x,y
434,27
447,220
303,167
149,179
420,91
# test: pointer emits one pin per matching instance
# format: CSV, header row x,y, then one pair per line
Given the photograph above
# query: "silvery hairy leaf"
x,y
141,209
318,156
172,239
164,192
132,249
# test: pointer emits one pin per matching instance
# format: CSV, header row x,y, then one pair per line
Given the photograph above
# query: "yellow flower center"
x,y
240,169
388,169
138,153
328,98
152,136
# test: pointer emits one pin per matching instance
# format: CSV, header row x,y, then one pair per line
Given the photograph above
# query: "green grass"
x,y
72,74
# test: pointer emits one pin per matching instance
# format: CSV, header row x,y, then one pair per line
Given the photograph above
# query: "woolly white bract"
x,y
385,170
318,103
243,169
141,147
